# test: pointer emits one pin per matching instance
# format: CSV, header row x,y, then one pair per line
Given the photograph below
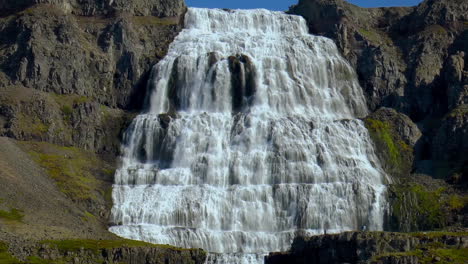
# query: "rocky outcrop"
x,y
73,74
373,247
395,137
87,68
398,53
450,144
411,60
159,8
100,251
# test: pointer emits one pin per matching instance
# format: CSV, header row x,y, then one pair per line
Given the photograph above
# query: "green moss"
x,y
6,257
74,170
460,111
437,234
67,112
12,215
95,245
436,29
450,255
375,36
414,207
457,202
395,152
444,255
31,125
88,217
152,21
68,102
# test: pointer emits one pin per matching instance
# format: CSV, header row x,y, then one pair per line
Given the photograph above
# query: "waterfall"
x,y
251,136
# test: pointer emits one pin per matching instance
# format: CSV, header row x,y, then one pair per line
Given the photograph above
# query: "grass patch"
x,y
32,125
68,102
435,254
6,257
432,252
96,245
88,217
12,215
74,170
437,234
375,36
383,132
414,207
394,151
154,21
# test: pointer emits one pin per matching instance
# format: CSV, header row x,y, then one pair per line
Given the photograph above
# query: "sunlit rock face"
x,y
251,136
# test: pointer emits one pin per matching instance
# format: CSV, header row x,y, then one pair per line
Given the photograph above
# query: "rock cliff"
x,y
76,68
73,74
411,63
375,247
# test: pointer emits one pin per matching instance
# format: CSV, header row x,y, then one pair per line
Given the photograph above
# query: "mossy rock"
x,y
395,154
12,215
415,207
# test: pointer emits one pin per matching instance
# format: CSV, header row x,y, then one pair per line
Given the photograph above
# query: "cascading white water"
x,y
251,136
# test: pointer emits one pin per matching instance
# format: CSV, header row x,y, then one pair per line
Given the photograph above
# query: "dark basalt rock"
x,y
242,81
367,247
399,53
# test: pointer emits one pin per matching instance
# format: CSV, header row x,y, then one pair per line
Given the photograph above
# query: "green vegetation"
x,y
433,253
5,256
417,208
96,245
437,234
436,29
32,125
68,246
152,21
460,111
12,215
383,132
375,36
67,112
68,102
396,153
74,170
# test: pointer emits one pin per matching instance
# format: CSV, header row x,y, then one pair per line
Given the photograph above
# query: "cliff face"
x,y
70,70
159,8
73,74
376,248
411,63
101,251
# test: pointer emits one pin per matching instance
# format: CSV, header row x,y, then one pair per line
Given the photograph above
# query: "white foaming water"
x,y
251,136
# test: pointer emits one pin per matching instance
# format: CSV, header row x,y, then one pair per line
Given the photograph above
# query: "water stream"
x,y
251,135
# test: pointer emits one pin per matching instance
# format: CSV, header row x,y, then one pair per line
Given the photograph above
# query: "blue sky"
x,y
284,4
